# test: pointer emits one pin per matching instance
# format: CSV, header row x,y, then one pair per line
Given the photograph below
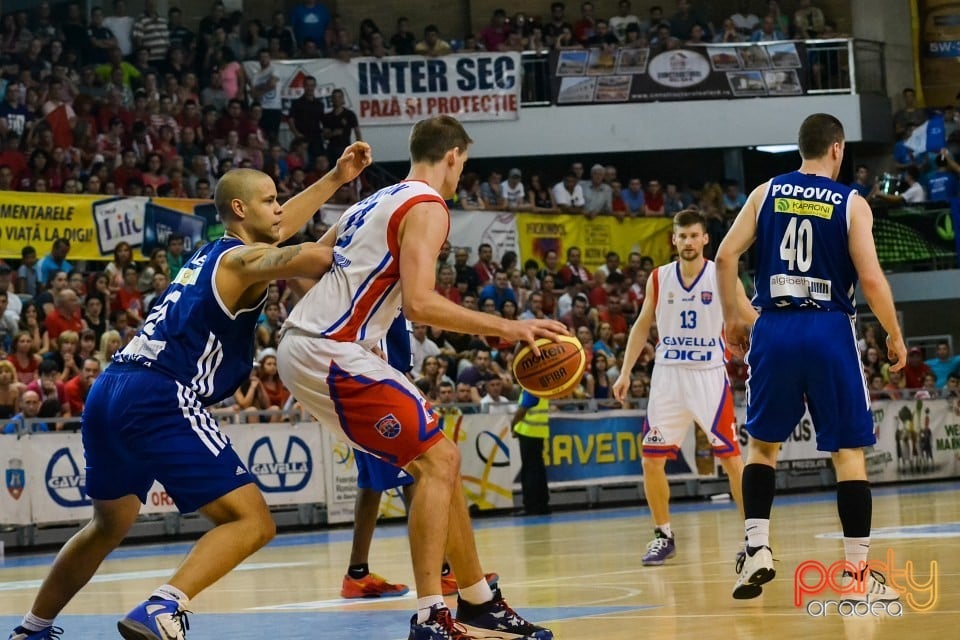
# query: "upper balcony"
x,y
713,96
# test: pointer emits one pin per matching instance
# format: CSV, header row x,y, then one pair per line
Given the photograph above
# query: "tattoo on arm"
x,y
264,258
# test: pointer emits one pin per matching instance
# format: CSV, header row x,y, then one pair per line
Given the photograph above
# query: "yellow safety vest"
x,y
536,422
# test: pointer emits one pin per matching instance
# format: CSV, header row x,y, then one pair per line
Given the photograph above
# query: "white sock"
x,y
856,550
425,605
665,529
758,532
35,623
170,592
477,593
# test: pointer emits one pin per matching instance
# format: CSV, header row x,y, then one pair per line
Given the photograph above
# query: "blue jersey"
x,y
803,257
190,336
396,345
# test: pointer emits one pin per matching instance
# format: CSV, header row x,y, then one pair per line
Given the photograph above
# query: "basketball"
x,y
555,371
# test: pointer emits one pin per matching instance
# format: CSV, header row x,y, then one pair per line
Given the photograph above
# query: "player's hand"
x,y
621,386
354,159
530,331
896,353
738,337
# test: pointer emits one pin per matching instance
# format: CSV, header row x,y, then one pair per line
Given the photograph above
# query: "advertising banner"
x,y
15,497
56,460
405,89
341,478
599,448
95,225
705,72
936,37
918,235
538,233
286,460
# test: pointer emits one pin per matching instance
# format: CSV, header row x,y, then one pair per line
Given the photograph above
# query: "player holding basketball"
x,y
689,383
385,252
145,417
813,241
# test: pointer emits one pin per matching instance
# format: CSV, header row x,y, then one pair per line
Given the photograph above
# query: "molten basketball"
x,y
555,371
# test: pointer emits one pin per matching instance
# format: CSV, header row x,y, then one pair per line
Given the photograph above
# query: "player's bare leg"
x,y
733,467
82,555
461,545
243,525
359,582
656,489
435,472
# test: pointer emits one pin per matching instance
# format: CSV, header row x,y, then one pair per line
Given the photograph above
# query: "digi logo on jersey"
x,y
275,474
679,348
65,481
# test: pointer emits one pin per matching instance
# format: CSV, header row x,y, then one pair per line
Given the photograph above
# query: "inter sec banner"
x,y
95,225
711,72
404,89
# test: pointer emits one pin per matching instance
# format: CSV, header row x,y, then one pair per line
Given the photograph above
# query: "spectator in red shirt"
x,y
915,369
653,199
66,315
129,298
583,29
495,34
234,120
614,315
485,267
76,390
574,272
127,170
53,398
446,284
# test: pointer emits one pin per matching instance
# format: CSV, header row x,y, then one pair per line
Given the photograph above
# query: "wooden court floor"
x,y
577,572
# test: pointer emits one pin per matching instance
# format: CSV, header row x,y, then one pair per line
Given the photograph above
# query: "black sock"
x,y
358,571
445,571
855,507
759,485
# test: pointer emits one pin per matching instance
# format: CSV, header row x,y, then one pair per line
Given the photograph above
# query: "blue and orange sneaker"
x,y
659,549
50,633
371,586
448,582
155,620
497,615
439,626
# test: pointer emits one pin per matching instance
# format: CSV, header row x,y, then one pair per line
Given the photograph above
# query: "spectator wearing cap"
x,y
915,369
512,190
597,194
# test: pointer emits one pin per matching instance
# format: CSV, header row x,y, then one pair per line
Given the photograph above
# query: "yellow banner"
x,y
94,225
538,233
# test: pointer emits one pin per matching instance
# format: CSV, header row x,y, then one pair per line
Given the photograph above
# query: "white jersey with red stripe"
x,y
689,319
357,300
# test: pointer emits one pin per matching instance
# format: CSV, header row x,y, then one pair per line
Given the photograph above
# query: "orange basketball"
x,y
555,371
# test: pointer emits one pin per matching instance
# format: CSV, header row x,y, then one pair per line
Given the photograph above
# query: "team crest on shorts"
x,y
706,297
388,426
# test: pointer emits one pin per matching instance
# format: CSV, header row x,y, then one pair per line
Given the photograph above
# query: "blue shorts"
x,y
810,357
377,475
139,426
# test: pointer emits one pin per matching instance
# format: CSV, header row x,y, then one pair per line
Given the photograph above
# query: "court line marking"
x,y
125,576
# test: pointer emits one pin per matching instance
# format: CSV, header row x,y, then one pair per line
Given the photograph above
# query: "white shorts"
x,y
364,400
680,396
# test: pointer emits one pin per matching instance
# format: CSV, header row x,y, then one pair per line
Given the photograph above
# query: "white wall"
x,y
695,124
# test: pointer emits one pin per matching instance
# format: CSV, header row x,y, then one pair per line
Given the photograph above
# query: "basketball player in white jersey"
x,y
689,382
385,251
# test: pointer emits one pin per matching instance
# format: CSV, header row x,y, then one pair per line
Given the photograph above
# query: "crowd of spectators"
x,y
57,337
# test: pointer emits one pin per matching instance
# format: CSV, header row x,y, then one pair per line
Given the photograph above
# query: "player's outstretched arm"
x,y
421,234
250,266
637,339
738,239
298,210
876,289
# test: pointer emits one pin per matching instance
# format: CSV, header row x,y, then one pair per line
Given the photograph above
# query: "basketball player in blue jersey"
x,y
145,418
813,242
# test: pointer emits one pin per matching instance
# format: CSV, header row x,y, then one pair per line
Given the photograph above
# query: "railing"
x,y
833,66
